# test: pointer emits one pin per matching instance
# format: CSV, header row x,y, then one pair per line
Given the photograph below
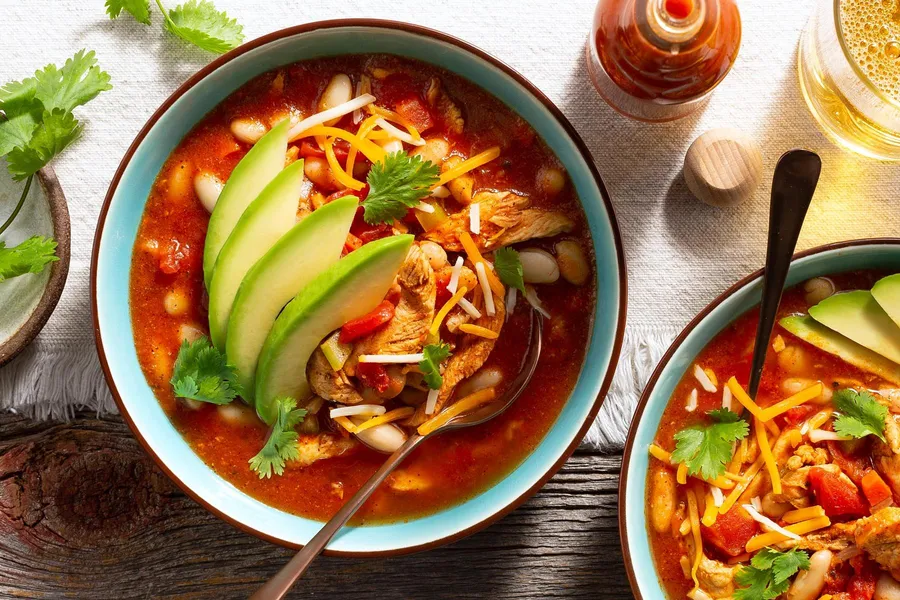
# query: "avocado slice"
x,y
886,292
808,330
858,316
269,217
347,290
310,247
261,164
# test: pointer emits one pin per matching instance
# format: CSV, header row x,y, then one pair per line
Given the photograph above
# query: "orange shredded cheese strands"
x,y
388,417
813,391
339,173
442,314
369,149
770,538
738,392
345,423
479,331
661,454
365,129
766,452
749,475
470,402
464,167
390,115
681,474
803,514
474,255
695,530
818,419
710,512
666,457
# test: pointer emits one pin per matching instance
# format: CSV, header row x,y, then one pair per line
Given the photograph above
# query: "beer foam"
x,y
871,31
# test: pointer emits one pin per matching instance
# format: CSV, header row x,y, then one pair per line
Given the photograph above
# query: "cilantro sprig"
x,y
282,443
860,414
769,573
396,184
36,125
435,354
202,373
195,21
706,449
509,268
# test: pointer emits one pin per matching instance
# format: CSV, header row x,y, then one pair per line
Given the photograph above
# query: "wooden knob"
x,y
723,167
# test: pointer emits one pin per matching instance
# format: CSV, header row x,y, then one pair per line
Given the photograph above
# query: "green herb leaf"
x,y
397,184
139,9
199,23
56,131
282,443
78,82
769,573
17,129
202,373
28,257
509,268
435,354
861,414
706,449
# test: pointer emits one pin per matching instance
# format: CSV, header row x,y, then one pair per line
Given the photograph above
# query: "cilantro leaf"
x,y
860,416
397,184
769,573
282,443
56,131
28,257
199,23
78,82
509,268
17,128
16,93
706,449
139,9
201,373
435,354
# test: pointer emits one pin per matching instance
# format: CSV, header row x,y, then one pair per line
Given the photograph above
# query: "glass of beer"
x,y
849,64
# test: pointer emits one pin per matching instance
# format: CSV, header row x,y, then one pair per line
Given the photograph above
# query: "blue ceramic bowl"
x,y
744,295
121,216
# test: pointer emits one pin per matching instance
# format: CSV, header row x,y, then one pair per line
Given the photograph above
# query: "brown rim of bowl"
x,y
651,383
59,270
521,80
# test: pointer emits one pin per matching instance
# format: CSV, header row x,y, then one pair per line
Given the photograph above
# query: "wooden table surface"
x,y
85,513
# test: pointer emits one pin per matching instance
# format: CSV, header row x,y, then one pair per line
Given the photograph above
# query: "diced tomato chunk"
x,y
177,256
874,488
853,464
837,497
862,584
366,324
376,233
339,194
731,531
309,148
352,243
443,294
373,375
415,111
792,416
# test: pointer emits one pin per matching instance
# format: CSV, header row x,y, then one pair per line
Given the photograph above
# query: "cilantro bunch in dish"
x,y
36,124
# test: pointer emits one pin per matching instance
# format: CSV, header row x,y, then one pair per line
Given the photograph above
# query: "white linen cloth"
x,y
680,253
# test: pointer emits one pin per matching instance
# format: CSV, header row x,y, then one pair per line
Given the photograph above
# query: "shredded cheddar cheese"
x,y
442,314
370,150
388,417
819,419
475,256
813,391
766,452
339,173
470,402
710,511
695,530
749,475
469,164
803,514
661,454
738,392
681,474
479,331
345,423
365,129
390,115
770,538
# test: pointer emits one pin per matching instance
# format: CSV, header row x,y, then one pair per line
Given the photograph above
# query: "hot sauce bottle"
x,y
658,60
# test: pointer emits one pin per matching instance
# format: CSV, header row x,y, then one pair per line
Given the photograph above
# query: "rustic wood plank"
x,y
84,513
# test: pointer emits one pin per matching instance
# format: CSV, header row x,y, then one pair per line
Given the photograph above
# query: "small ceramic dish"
x,y
738,299
29,300
123,209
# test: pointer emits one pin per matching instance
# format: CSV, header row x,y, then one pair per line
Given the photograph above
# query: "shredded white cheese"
x,y
486,289
691,404
718,496
454,275
704,379
440,191
401,135
431,401
359,409
475,218
820,435
391,359
511,296
358,113
469,308
726,397
425,207
769,523
326,115
757,503
805,428
532,298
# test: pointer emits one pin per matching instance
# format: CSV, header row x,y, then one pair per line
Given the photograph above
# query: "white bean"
x,y
176,302
485,378
817,289
435,150
179,182
237,413
573,265
663,499
189,333
319,173
208,187
386,438
550,181
248,130
437,256
338,91
887,588
538,266
808,584
392,145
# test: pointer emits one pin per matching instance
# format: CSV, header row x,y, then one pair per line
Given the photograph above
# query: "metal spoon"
x,y
793,186
279,585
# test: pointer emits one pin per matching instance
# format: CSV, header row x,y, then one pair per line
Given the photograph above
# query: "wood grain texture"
x,y
723,167
84,513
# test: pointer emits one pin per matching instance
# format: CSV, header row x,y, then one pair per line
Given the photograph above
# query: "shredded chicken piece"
x,y
715,578
879,535
795,485
313,448
836,538
807,455
506,219
328,383
886,456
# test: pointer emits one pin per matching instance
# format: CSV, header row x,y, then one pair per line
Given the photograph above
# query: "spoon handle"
x,y
793,185
278,586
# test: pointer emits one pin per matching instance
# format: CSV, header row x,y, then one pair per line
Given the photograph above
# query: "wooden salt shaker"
x,y
723,167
